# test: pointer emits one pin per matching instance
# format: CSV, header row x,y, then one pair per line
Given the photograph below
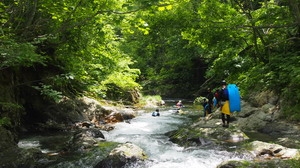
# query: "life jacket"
x,y
224,94
155,113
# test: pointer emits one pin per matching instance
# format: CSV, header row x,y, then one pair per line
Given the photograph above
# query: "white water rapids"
x,y
148,132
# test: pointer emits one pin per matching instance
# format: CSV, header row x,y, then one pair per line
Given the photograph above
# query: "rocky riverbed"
x,y
266,138
270,141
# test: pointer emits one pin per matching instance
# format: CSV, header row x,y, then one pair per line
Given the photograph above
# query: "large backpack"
x,y
234,98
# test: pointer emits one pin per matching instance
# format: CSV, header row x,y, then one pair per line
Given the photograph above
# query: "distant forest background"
x,y
116,49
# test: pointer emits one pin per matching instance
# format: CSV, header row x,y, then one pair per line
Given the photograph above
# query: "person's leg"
x,y
228,119
223,119
209,108
205,109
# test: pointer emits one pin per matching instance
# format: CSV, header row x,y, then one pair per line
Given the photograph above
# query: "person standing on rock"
x,y
224,104
205,107
210,97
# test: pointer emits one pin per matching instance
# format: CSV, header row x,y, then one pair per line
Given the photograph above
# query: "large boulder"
x,y
85,139
118,114
263,150
266,155
12,156
258,99
7,139
255,119
124,154
73,113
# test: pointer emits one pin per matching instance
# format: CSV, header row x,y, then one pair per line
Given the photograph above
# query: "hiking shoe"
x,y
225,125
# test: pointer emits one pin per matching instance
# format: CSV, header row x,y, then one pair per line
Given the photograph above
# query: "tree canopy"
x,y
173,48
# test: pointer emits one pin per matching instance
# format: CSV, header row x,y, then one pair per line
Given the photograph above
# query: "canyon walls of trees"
x,y
115,49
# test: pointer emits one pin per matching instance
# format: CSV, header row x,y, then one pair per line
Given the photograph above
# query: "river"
x,y
149,133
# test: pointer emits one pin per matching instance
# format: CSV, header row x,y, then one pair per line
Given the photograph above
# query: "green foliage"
x,y
199,100
5,121
163,47
293,162
81,39
7,106
94,57
166,61
252,47
14,54
291,111
48,92
10,114
149,99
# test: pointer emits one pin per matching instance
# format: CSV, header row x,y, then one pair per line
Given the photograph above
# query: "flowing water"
x,y
149,133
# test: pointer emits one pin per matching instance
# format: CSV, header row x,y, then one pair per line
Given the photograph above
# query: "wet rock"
x,y
267,155
16,157
95,133
263,150
247,110
7,139
85,139
124,154
114,117
254,119
128,114
253,122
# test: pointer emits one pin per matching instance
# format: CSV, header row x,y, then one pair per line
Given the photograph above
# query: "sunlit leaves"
x,y
98,41
13,54
49,92
162,8
84,40
3,16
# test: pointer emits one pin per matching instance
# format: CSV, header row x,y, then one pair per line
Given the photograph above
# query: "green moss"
x,y
107,144
263,164
294,162
185,136
291,112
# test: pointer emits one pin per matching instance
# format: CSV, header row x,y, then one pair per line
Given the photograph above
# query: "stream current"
x,y
148,133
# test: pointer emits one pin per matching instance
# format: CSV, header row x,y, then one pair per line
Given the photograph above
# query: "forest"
x,y
118,49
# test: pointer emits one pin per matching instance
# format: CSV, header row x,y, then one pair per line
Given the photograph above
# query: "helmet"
x,y
223,82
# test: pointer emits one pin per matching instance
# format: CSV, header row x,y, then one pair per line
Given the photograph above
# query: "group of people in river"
x,y
179,105
217,99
